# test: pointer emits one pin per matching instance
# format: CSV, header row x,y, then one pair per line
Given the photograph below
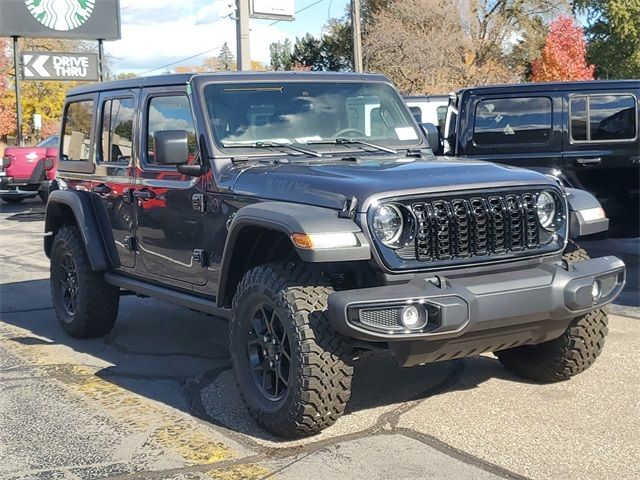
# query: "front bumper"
x,y
470,314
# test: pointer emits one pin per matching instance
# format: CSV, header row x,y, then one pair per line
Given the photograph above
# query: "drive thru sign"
x,y
59,66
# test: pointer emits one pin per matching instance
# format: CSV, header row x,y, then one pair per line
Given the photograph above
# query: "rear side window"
x,y
169,113
507,121
117,130
603,117
77,131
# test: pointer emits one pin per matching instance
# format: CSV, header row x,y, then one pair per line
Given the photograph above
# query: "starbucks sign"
x,y
61,15
74,19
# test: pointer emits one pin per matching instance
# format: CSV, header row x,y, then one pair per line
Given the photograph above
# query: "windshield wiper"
x,y
353,141
275,145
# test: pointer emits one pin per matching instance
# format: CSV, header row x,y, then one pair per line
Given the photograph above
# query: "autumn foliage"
x,y
564,54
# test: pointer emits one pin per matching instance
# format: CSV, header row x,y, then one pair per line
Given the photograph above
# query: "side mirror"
x,y
433,137
171,147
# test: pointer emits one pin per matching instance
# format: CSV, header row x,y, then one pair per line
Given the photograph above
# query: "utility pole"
x,y
242,35
357,36
16,67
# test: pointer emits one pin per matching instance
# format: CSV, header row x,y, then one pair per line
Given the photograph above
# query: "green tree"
x,y
613,36
226,61
280,55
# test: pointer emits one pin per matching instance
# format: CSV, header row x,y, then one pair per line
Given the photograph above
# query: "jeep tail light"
x,y
6,160
49,162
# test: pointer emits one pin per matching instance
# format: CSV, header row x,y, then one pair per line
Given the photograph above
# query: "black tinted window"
x,y
117,130
603,117
579,118
512,120
77,131
612,117
169,113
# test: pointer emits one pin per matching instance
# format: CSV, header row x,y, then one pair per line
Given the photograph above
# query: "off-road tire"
x,y
571,353
321,367
11,199
97,301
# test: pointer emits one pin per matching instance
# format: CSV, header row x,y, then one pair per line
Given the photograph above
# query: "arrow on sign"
x,y
37,65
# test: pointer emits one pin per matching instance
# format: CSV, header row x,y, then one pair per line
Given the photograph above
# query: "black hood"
x,y
331,183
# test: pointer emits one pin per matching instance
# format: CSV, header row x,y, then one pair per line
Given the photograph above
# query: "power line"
x,y
220,46
184,59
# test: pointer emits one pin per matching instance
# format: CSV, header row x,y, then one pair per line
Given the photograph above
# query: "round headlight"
x,y
546,209
388,223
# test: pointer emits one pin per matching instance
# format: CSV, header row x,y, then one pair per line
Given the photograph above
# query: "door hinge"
x,y
200,257
197,202
130,243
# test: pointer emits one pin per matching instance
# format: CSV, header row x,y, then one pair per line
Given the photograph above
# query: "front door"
x,y
167,203
113,179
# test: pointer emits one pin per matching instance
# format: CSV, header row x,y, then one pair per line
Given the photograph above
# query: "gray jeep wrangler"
x,y
309,211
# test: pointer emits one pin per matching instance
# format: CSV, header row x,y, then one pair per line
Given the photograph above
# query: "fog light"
x,y
595,290
410,316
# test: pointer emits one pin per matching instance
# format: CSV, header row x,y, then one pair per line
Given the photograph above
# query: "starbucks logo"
x,y
61,14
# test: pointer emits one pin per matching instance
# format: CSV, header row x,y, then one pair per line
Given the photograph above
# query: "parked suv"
x,y
27,171
585,133
309,211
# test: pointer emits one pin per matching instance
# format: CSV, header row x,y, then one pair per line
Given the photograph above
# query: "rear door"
x,y
601,147
169,206
113,179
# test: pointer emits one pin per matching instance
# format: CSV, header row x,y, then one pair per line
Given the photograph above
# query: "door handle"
x,y
589,161
144,194
101,189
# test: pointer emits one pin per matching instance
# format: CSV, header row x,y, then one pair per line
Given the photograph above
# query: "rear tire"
x,y
86,306
312,358
571,353
11,199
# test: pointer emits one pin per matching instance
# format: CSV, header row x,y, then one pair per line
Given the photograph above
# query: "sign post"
x,y
16,69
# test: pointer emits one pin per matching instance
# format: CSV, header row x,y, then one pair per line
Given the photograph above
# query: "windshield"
x,y
49,142
304,113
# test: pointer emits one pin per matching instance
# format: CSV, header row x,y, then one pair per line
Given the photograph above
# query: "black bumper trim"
x,y
492,301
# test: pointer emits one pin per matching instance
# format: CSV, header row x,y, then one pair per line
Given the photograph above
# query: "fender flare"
x,y
289,218
85,217
580,201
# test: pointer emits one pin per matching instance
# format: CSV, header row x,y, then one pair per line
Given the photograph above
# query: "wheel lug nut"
x,y
271,364
265,339
273,342
277,357
264,352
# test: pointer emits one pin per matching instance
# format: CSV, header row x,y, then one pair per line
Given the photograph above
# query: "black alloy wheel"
x,y
68,284
269,353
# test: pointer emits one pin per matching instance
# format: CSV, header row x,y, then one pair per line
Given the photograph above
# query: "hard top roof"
x,y
184,78
554,86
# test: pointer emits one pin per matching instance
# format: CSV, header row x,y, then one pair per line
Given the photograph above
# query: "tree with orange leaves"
x,y
564,54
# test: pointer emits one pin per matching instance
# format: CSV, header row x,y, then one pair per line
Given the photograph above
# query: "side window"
x,y
507,121
169,113
603,117
441,113
117,130
417,113
77,131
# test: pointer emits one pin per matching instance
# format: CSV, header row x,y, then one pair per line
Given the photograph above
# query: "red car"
x,y
27,171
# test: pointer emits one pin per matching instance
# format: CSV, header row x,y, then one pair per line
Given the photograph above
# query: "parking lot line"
x,y
164,427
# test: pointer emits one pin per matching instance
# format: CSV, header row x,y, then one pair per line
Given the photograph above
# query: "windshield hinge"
x,y
349,208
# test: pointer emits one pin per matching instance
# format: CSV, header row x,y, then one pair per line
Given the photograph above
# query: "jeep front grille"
x,y
468,228
464,228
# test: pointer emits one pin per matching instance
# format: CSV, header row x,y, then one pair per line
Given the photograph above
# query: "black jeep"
x,y
309,210
584,133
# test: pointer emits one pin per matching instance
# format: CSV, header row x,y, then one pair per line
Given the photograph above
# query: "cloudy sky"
x,y
156,33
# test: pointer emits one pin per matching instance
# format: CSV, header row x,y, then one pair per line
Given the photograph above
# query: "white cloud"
x,y
164,31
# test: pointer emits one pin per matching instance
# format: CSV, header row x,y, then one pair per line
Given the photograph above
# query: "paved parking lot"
x,y
156,399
